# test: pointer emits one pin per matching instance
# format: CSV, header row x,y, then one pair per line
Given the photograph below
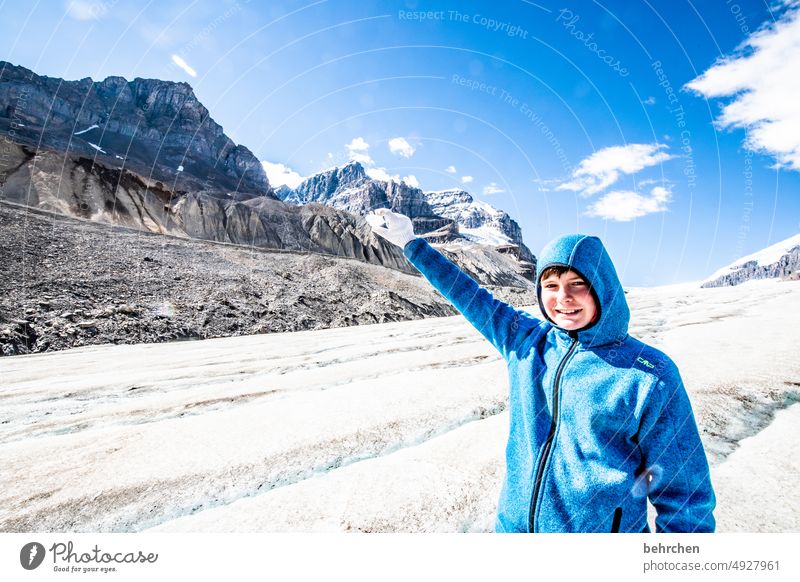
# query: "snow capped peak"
x,y
767,256
478,221
758,265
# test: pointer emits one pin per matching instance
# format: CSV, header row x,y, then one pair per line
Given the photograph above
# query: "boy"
x,y
599,421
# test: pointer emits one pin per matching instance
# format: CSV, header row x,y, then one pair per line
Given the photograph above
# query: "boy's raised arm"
x,y
499,322
680,488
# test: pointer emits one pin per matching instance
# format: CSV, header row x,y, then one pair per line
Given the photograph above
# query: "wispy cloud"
x,y
492,188
399,145
184,65
466,179
604,167
764,79
280,174
625,205
86,9
650,100
450,169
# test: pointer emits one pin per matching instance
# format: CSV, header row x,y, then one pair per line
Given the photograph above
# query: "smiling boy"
x,y
567,299
600,422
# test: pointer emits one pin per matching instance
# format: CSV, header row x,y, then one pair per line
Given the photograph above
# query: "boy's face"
x,y
568,301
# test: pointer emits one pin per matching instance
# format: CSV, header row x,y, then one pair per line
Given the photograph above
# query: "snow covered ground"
x,y
392,427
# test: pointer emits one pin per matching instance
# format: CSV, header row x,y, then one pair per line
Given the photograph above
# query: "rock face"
x,y
446,216
780,261
155,128
349,188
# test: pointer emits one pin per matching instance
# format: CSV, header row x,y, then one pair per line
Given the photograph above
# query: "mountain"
x,y
446,216
155,128
478,221
781,260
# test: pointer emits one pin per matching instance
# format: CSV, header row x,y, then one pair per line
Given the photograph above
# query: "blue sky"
x,y
668,128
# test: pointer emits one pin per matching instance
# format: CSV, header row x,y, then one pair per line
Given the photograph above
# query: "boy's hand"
x,y
394,227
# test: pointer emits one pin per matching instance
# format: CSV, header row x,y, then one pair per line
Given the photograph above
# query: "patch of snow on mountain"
x,y
486,235
90,128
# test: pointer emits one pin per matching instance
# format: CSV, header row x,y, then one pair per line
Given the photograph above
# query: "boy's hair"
x,y
557,270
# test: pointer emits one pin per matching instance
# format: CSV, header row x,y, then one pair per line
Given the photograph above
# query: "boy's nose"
x,y
563,293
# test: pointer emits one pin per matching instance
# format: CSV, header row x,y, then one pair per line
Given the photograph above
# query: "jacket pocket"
x,y
617,520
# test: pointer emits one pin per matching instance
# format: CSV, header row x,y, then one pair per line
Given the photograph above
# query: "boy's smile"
x,y
568,300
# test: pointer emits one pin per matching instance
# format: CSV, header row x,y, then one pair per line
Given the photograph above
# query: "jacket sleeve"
x,y
499,322
680,483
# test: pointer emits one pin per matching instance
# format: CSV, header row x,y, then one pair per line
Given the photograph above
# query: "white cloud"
x,y
86,9
604,167
492,188
184,65
399,145
363,159
411,180
450,169
381,174
280,174
650,100
763,78
357,151
624,205
466,179
357,144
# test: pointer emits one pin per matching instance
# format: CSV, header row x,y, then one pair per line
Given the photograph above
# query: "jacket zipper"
x,y
549,442
617,520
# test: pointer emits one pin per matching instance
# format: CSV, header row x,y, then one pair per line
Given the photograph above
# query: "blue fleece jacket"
x,y
599,421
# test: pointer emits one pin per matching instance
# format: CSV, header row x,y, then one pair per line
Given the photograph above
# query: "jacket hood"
x,y
587,256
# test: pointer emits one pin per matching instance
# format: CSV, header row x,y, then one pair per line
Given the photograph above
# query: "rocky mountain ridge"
x,y
158,129
447,215
778,261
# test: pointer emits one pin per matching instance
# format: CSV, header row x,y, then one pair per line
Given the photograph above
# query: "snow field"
x,y
392,427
